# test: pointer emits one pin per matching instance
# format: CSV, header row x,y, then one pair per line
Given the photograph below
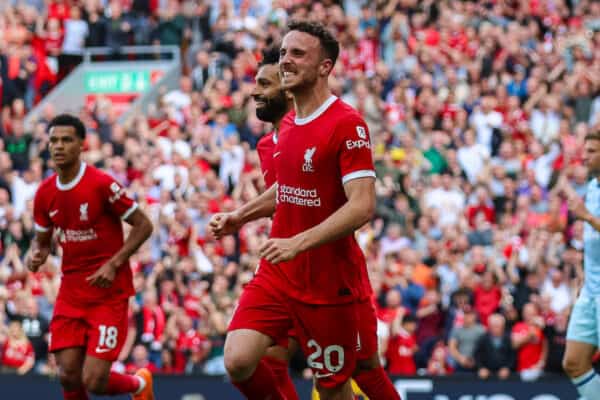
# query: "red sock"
x,y
376,384
282,376
79,394
122,383
261,385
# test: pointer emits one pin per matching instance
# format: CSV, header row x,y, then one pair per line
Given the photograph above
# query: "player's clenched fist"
x,y
223,224
280,250
36,258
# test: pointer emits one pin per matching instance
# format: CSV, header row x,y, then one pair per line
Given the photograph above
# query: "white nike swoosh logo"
x,y
319,375
53,213
99,350
265,173
276,154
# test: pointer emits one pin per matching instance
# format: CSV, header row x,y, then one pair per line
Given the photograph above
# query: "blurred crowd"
x,y
477,112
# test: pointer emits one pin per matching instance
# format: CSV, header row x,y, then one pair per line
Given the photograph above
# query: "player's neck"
x,y
67,173
308,101
277,123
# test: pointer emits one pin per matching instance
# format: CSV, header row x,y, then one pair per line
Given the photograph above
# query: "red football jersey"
x,y
87,213
530,353
15,354
314,157
265,148
400,354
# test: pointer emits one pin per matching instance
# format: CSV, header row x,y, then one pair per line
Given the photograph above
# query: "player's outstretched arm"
x,y
223,224
40,249
140,232
356,212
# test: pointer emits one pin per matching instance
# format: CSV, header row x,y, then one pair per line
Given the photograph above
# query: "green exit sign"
x,y
117,81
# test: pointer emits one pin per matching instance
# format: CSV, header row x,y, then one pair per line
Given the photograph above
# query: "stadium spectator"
x,y
531,345
17,352
463,341
402,346
35,327
139,359
494,354
556,334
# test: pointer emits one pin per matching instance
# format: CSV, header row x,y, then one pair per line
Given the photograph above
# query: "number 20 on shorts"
x,y
327,359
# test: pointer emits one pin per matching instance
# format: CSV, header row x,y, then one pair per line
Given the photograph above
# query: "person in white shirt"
x,y
484,119
472,157
76,30
449,200
545,120
555,288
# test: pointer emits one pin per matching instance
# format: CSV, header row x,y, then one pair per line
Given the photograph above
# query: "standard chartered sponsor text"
x,y
73,235
298,196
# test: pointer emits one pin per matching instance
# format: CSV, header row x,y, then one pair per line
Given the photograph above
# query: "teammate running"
x,y
84,207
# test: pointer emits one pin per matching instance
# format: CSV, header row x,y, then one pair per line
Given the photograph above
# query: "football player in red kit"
x,y
84,207
272,103
313,274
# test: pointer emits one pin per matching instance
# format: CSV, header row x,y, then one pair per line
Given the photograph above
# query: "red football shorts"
x,y
327,334
100,328
367,330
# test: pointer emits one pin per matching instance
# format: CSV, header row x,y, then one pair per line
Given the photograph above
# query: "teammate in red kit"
x,y
313,275
85,207
272,103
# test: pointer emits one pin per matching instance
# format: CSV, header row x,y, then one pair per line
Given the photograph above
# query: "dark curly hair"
x,y
270,55
68,120
329,43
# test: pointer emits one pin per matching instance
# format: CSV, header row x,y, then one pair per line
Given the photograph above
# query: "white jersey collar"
x,y
74,182
317,113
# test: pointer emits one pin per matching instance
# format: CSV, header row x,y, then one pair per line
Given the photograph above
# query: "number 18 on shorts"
x,y
101,330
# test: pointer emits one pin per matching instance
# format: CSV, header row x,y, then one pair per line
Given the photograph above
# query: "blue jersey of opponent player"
x,y
591,240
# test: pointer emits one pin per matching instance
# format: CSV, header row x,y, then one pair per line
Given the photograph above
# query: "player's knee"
x,y
69,380
239,366
574,366
94,383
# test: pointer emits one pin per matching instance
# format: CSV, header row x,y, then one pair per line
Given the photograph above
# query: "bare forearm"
x,y
139,233
343,222
259,207
453,350
42,240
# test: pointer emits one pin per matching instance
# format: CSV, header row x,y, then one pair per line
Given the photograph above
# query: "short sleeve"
x,y
354,150
41,218
454,334
118,201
